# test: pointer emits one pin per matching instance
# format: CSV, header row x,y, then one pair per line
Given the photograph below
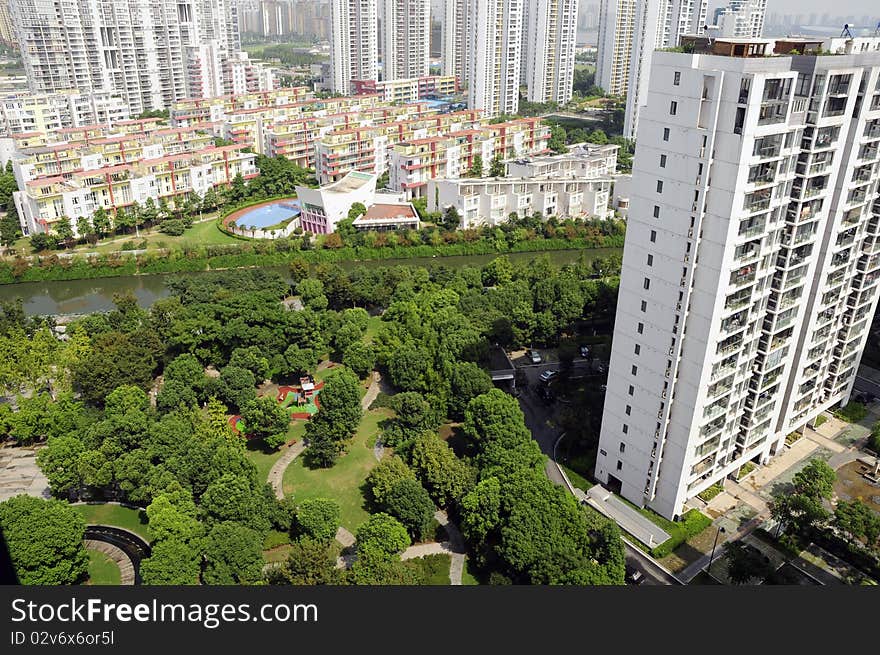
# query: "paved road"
x,y
864,384
654,574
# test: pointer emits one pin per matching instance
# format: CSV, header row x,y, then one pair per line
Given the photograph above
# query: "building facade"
x,y
656,25
74,171
48,112
406,39
149,52
354,49
741,19
548,49
456,41
749,271
615,46
495,40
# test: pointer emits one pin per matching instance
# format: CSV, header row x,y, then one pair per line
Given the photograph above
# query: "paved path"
x,y
344,537
373,391
276,473
126,569
19,474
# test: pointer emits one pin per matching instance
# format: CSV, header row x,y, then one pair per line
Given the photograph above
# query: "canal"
x,y
88,296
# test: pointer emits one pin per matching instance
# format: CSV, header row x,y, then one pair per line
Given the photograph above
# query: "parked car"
x,y
602,368
585,352
535,356
634,576
548,375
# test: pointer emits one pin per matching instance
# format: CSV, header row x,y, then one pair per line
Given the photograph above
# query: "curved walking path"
x,y
372,391
122,560
276,473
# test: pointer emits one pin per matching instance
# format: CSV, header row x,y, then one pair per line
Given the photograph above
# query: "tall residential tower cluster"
x,y
149,52
492,46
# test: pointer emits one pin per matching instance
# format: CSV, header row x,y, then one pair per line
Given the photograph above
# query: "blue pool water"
x,y
270,214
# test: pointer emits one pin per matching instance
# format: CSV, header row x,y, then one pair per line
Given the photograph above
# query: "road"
x,y
539,419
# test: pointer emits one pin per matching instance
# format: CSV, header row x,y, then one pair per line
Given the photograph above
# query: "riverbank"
x,y
51,268
86,296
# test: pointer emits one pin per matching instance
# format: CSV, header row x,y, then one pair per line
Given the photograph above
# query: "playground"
x,y
301,402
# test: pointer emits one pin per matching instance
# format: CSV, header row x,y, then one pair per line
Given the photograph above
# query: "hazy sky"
x,y
838,7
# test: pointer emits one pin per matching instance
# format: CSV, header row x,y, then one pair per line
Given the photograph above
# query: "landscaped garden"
x,y
118,516
344,483
102,569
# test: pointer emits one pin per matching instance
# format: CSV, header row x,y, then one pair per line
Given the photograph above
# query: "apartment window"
x,y
644,305
629,410
647,283
656,211
666,134
650,260
653,236
635,370
641,328
631,390
662,161
673,108
676,78
659,186
619,465
622,447
625,428
638,349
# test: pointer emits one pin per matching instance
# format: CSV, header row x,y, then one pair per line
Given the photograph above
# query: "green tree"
x,y
300,360
318,519
233,555
381,538
451,219
311,291
497,168
357,210
116,359
409,503
745,563
45,541
237,386
446,477
385,475
10,228
360,358
101,221
171,562
467,382
252,359
309,563
83,227
476,168
858,520
59,463
64,229
233,498
264,417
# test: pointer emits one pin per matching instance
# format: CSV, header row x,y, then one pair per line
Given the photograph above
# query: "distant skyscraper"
x,y
616,33
150,52
456,41
494,30
548,49
406,38
742,19
354,53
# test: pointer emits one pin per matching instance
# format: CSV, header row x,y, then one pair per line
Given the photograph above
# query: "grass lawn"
x,y
373,325
277,554
121,517
577,479
263,458
344,481
432,569
468,575
102,569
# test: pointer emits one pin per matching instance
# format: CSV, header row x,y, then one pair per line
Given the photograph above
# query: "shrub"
x,y
173,227
853,412
708,494
690,525
820,420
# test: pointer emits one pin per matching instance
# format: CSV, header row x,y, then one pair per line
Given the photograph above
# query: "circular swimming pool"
x,y
267,214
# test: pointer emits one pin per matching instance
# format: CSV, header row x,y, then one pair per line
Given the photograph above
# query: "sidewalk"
x,y
639,526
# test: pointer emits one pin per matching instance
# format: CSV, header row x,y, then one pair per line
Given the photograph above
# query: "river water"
x,y
88,296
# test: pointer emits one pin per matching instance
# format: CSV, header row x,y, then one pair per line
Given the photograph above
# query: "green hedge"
x,y
852,413
690,525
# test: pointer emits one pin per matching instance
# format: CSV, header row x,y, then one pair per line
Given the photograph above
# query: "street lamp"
x,y
714,545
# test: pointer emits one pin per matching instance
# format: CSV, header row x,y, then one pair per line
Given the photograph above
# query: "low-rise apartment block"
x,y
48,112
74,171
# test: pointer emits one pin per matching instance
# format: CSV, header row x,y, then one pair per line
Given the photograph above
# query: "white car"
x,y
535,356
548,375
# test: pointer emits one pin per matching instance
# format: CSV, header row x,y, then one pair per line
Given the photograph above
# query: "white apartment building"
x,y
491,201
583,160
616,32
741,19
455,39
354,51
657,25
406,36
48,112
141,50
548,49
495,30
750,266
